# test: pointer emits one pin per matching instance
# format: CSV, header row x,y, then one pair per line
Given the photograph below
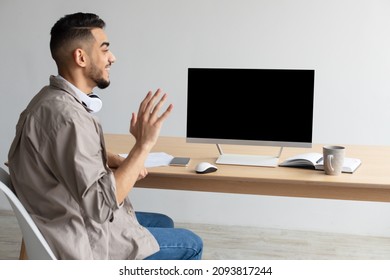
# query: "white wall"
x,y
347,42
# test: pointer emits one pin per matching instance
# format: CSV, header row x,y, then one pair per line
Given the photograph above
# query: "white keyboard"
x,y
252,160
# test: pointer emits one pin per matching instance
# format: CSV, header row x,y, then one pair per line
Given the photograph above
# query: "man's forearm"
x,y
114,160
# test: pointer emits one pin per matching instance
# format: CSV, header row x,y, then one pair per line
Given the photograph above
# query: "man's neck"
x,y
76,80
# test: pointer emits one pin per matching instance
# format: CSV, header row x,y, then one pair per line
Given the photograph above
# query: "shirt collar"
x,y
92,104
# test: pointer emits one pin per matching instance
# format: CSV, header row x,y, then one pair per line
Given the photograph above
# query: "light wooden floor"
x,y
248,243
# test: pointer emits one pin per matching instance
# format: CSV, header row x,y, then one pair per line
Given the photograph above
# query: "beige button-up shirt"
x,y
58,166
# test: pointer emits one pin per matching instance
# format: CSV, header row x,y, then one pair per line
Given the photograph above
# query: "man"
x,y
62,172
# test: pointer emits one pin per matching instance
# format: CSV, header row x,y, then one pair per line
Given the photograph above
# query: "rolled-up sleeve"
x,y
98,202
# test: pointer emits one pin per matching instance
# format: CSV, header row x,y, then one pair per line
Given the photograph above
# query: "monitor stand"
x,y
252,160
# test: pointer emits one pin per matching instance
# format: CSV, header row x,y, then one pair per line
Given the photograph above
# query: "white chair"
x,y
35,244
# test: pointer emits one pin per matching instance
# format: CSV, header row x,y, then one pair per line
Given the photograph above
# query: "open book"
x,y
315,161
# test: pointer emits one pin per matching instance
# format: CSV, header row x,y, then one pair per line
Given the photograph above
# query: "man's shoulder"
x,y
56,93
51,100
52,107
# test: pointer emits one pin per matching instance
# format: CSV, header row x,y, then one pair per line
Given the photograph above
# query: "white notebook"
x,y
315,161
156,159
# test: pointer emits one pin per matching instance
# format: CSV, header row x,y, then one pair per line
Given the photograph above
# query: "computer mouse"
x,y
205,167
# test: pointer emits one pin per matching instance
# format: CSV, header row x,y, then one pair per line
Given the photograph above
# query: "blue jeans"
x,y
175,243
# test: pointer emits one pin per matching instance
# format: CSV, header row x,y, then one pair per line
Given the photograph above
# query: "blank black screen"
x,y
250,104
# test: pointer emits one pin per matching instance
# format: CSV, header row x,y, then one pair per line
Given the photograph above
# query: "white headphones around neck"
x,y
93,103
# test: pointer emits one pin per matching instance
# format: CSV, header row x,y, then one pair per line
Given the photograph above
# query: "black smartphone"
x,y
180,161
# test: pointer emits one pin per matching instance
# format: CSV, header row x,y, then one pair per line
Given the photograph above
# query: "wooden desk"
x,y
371,182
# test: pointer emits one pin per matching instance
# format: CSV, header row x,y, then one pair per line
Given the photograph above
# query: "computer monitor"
x,y
267,107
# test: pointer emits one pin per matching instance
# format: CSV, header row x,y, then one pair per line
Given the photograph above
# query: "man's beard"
x,y
96,75
102,83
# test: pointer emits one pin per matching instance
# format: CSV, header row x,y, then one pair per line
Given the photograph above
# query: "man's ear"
x,y
80,57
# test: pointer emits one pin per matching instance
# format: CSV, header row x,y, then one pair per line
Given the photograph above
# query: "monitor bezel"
x,y
249,142
244,142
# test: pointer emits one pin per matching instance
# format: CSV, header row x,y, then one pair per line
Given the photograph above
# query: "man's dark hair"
x,y
72,28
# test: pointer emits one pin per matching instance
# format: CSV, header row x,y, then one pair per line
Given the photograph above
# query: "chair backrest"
x,y
36,245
